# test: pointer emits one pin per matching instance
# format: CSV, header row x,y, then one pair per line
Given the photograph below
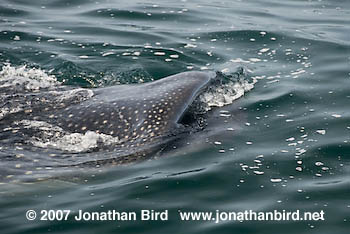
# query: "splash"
x,y
230,88
33,106
30,90
26,79
50,136
22,89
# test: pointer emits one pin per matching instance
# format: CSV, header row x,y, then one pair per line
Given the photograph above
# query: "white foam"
x,y
78,93
38,125
52,136
225,94
29,79
4,111
77,142
19,84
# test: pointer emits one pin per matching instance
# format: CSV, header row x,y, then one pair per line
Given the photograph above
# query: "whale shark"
x,y
121,123
132,114
135,113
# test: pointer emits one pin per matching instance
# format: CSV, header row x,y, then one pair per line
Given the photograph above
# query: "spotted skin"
x,y
140,116
134,113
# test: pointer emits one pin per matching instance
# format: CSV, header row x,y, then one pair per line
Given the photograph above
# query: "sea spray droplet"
x,y
263,50
321,131
159,53
190,46
275,180
107,53
258,172
336,116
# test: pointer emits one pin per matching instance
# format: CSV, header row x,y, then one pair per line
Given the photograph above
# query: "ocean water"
x,y
282,143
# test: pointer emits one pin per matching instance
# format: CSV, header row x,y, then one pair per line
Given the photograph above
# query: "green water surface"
x,y
283,146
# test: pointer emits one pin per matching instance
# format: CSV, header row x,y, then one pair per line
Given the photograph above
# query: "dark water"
x,y
283,146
